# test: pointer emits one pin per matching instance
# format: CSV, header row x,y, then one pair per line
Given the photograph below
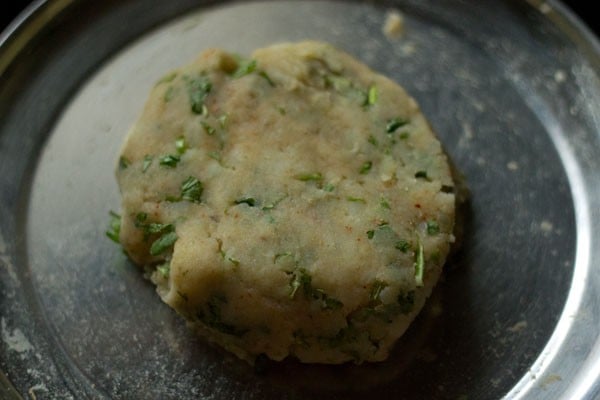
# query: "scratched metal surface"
x,y
511,87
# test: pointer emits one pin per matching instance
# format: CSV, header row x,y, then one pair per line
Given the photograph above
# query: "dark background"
x,y
9,9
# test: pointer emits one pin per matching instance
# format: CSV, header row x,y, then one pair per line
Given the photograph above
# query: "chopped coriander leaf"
x,y
366,167
432,228
281,110
234,261
123,162
329,187
402,245
246,67
356,199
139,218
381,226
170,160
404,135
372,140
223,120
198,90
327,302
315,176
151,228
447,189
207,128
156,227
264,75
164,269
191,190
395,123
181,145
163,243
114,227
372,96
211,316
250,201
384,203
147,162
280,256
422,175
419,264
300,279
273,204
376,289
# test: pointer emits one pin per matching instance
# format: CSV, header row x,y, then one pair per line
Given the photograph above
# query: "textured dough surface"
x,y
292,204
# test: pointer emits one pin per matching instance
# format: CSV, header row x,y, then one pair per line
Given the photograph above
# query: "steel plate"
x,y
512,88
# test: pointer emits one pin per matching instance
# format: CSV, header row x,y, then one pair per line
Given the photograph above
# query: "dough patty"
x,y
295,203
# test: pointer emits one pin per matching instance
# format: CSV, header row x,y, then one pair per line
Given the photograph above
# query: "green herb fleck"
x,y
316,176
198,90
170,160
234,261
211,316
264,75
191,190
384,203
140,217
402,245
370,234
419,264
281,110
366,167
156,227
114,227
181,145
280,256
432,228
372,96
207,128
273,204
327,302
163,243
329,187
376,289
246,67
300,279
404,135
250,201
422,175
147,162
356,199
395,123
164,269
123,162
223,120
372,140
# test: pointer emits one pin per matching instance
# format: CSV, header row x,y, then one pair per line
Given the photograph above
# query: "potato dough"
x,y
292,204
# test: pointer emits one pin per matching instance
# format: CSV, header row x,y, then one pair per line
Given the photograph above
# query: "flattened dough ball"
x,y
292,204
